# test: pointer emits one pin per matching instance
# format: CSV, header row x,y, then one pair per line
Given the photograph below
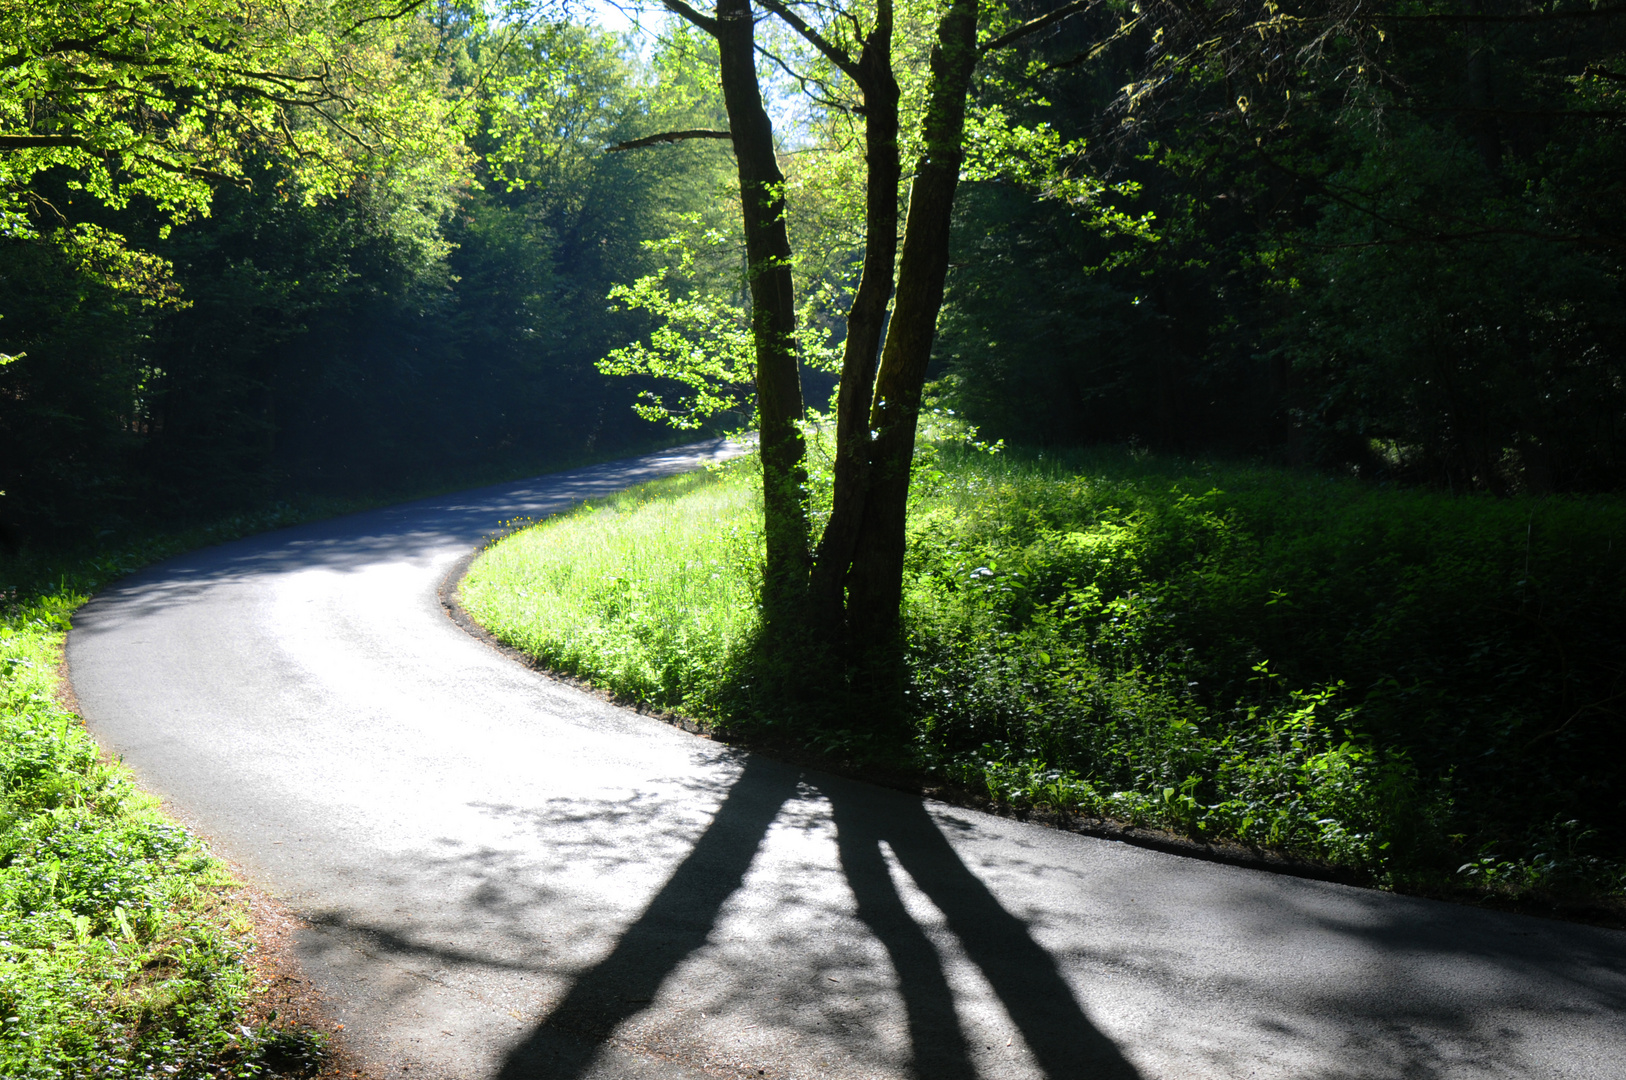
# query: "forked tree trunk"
x,y
866,322
875,577
773,313
856,581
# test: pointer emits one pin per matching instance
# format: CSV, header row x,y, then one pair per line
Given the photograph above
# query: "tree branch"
x,y
405,9
820,92
31,142
678,7
835,54
1534,16
1032,26
668,137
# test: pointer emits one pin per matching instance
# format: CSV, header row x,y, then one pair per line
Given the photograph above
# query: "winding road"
x,y
504,877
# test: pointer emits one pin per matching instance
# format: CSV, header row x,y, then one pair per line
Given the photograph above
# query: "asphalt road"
x,y
508,878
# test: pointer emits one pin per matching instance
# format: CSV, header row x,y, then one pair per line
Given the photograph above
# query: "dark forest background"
x,y
395,338
1393,250
1389,246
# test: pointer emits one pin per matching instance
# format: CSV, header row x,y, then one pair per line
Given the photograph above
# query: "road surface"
x,y
507,878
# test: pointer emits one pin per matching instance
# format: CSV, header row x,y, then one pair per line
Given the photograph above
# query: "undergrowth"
x,y
121,951
1425,689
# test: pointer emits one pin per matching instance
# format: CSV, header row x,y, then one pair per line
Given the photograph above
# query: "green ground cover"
x,y
1425,689
122,952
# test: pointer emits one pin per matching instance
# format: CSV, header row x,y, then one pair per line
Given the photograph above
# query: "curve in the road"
x,y
505,877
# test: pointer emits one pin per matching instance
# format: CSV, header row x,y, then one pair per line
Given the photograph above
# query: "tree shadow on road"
x,y
681,917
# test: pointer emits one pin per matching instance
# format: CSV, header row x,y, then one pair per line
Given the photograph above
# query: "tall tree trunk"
x,y
875,579
773,316
866,321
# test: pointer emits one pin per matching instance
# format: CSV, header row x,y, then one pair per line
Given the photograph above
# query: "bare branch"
x,y
405,9
832,52
1032,26
1124,30
668,137
678,7
817,90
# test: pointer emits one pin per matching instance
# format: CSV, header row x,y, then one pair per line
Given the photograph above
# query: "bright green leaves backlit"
x,y
163,100
1036,157
703,341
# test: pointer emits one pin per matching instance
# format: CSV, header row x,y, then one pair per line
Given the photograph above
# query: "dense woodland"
x,y
403,331
1387,242
1383,241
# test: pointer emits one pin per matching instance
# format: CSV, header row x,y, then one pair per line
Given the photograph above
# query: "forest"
x,y
262,261
1379,242
1199,417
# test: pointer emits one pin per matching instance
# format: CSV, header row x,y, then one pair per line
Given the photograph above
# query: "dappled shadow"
x,y
485,848
682,916
1023,975
676,923
846,919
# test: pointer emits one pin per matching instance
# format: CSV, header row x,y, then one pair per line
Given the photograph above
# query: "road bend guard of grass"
x,y
1424,690
647,593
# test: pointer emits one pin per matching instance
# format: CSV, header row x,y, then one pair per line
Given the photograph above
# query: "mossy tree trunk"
x,y
850,588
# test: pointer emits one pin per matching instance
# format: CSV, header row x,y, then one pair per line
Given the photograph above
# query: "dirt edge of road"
x,y
284,996
289,999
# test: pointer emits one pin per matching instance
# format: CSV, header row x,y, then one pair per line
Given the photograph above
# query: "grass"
x,y
122,950
1422,689
648,592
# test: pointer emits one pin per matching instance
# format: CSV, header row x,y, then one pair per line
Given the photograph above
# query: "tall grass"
x,y
648,593
1423,687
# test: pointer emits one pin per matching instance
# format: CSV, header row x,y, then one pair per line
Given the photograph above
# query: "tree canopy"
x,y
1382,239
166,101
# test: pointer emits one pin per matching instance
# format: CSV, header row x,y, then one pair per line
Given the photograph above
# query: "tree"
x,y
1392,244
848,586
413,324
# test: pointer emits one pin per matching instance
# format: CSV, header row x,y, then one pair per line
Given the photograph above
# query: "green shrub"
x,y
1461,655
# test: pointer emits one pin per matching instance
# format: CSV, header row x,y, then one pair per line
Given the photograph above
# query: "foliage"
x,y
1460,654
120,944
1387,241
1421,687
403,333
164,101
703,340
